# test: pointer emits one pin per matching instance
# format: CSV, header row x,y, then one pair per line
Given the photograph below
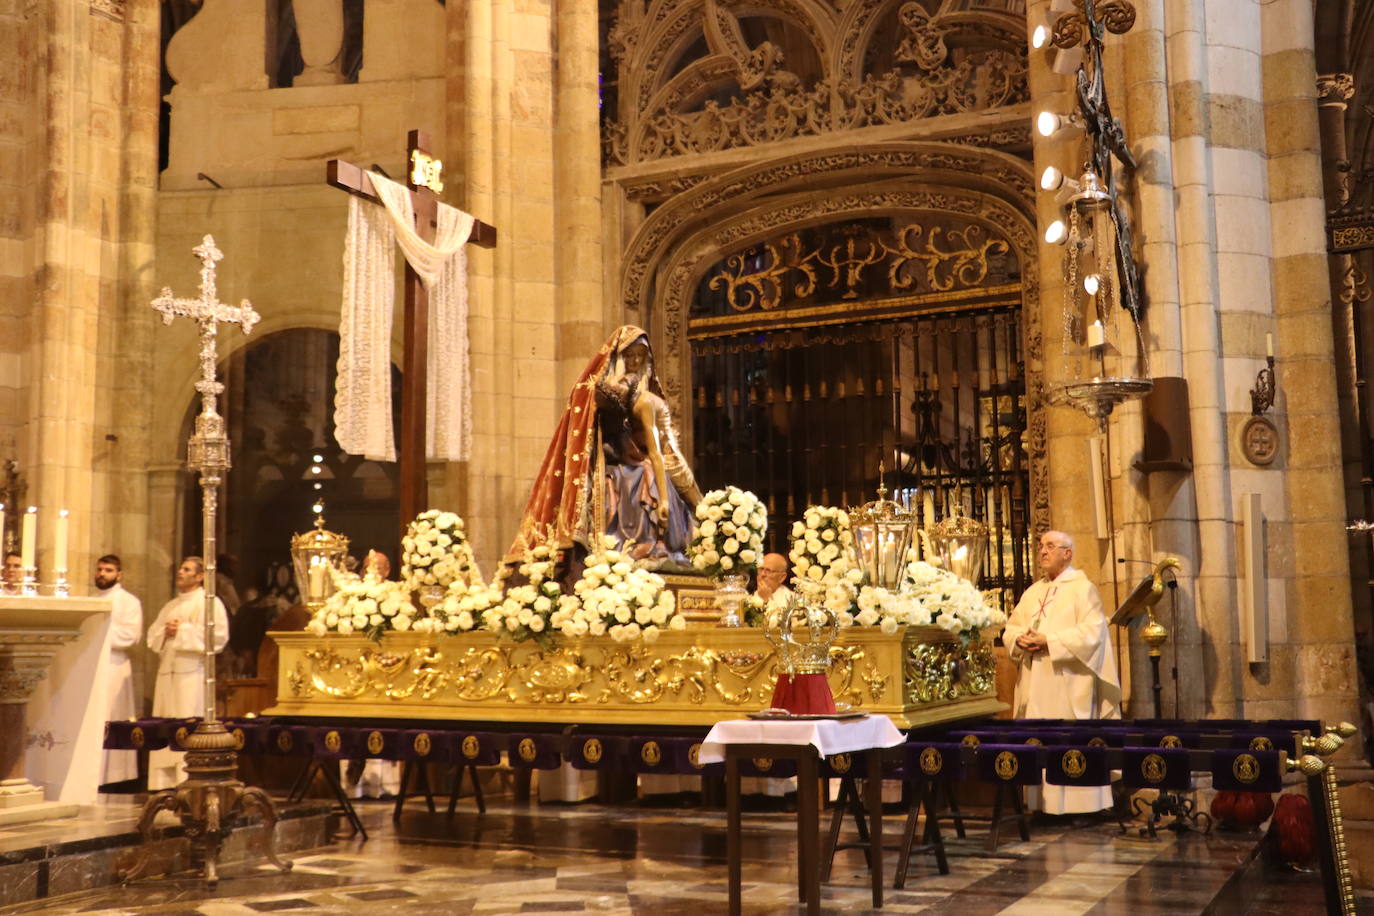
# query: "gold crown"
x,y
803,636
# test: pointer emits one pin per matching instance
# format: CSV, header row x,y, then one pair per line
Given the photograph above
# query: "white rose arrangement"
x,y
371,606
614,596
823,547
731,524
465,606
825,572
524,612
435,551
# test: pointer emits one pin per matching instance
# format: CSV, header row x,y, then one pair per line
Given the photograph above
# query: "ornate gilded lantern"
x,y
314,555
883,532
960,542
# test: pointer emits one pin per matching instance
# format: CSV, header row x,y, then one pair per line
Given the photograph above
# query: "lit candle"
x,y
29,539
928,509
1269,345
60,550
316,581
1097,335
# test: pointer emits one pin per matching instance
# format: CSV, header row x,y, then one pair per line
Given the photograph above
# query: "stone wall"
x,y
1217,102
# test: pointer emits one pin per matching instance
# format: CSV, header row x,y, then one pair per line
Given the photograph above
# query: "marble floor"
x,y
655,861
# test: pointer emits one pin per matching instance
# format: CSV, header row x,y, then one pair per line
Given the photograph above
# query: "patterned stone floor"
x,y
665,862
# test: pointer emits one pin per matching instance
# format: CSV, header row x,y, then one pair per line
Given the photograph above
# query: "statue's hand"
x,y
663,512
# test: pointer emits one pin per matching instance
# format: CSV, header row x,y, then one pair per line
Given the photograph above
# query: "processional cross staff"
x,y
424,181
210,796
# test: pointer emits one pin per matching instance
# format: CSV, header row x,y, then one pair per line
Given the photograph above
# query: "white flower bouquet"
x,y
825,573
435,551
614,596
823,548
731,524
371,606
954,603
465,606
524,611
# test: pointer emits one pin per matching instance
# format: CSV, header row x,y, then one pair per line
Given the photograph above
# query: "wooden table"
x,y
805,741
808,818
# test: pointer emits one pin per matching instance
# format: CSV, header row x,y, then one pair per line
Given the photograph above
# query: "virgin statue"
x,y
614,466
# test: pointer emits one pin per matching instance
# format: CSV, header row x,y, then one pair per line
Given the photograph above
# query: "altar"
x,y
696,676
52,659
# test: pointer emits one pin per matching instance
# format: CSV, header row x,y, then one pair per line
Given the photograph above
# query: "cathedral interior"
x,y
1095,267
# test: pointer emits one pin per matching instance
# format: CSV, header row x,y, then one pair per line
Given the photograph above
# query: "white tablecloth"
x,y
828,736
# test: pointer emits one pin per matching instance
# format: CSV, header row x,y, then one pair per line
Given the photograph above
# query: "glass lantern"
x,y
960,542
315,556
882,532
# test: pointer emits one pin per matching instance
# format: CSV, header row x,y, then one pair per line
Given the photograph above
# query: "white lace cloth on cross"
x,y
362,400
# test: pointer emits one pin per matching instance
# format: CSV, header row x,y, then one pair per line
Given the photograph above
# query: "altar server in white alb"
x,y
1067,666
178,635
126,626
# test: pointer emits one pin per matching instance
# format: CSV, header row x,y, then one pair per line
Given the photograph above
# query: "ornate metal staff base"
x,y
1167,804
207,802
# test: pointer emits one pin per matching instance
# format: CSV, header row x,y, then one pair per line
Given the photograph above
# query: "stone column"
x,y
1321,631
578,183
1163,503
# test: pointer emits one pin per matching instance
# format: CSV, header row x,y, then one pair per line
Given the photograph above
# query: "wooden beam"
x,y
348,177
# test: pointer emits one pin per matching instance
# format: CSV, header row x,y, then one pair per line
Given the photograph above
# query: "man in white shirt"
x,y
126,625
178,636
1067,665
771,576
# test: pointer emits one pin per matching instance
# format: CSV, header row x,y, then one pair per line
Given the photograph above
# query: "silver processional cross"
x,y
210,796
207,452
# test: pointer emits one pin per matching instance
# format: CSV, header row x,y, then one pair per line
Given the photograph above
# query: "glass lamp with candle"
x,y
883,532
961,543
316,556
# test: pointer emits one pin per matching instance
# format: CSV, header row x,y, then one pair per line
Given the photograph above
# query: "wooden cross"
x,y
423,179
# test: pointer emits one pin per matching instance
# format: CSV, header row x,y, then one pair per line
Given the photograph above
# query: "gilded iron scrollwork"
x,y
914,255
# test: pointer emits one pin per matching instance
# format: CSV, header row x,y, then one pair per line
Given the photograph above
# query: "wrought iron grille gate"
x,y
805,415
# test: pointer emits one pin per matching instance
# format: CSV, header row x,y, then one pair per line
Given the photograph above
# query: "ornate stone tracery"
x,y
878,62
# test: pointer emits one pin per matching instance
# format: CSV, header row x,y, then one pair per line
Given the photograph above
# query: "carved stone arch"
x,y
673,29
863,18
695,229
957,166
666,41
816,20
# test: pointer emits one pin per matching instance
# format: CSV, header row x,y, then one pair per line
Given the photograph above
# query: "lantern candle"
x,y
60,549
316,581
29,538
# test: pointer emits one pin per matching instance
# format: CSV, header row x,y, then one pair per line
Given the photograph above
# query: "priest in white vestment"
x,y
1066,662
126,626
178,636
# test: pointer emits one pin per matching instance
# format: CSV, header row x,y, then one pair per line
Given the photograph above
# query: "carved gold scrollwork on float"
x,y
602,674
947,671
